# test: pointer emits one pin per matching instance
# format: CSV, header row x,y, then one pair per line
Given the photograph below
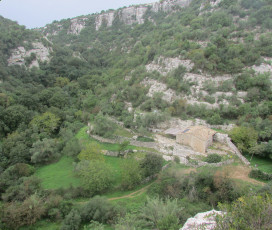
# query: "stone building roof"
x,y
202,132
173,131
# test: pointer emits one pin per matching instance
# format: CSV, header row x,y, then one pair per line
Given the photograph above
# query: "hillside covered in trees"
x,y
118,75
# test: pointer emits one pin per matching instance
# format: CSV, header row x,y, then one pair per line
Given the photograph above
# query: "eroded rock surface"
x,y
77,24
204,220
18,55
166,65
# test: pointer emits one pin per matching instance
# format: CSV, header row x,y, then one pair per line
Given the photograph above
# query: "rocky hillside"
x,y
187,58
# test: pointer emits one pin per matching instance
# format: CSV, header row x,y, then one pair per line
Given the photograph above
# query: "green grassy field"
x,y
43,225
83,137
263,164
58,175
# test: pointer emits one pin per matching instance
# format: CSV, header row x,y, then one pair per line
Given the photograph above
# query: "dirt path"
x,y
133,194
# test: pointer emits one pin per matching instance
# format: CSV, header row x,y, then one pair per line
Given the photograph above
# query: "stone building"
x,y
199,138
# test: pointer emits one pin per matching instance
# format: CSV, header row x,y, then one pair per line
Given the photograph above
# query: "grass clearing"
x,y
58,175
264,165
43,225
123,132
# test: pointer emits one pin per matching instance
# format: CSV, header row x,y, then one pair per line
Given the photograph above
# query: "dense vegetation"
x,y
43,111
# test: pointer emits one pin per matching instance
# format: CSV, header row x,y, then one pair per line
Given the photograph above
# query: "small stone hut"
x,y
199,138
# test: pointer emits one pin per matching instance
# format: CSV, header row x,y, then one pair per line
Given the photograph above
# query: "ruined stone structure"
x,y
199,138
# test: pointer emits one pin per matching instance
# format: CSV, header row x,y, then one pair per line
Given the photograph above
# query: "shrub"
x,y
151,164
131,174
163,214
98,209
144,139
17,214
250,212
72,221
213,158
260,175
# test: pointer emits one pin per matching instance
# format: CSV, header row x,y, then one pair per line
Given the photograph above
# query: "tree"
x,y
151,164
15,115
91,152
103,126
44,151
244,138
72,221
131,173
17,214
248,212
47,122
163,214
98,209
97,175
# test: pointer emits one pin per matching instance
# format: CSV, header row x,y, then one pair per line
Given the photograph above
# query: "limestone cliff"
x,y
135,14
39,52
126,15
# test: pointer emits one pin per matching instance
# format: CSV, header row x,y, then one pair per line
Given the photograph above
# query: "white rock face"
x,y
263,68
169,95
205,220
104,18
18,55
168,5
166,65
135,14
77,24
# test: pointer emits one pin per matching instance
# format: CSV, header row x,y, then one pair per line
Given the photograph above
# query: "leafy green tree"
x,y
248,212
17,214
131,174
244,138
103,126
44,151
163,214
72,221
72,147
97,175
91,152
46,122
151,164
98,209
15,115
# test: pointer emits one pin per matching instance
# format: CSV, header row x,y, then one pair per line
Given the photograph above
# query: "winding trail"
x,y
133,194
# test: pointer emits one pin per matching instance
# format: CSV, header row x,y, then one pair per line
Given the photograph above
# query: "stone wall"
x,y
224,138
122,139
219,164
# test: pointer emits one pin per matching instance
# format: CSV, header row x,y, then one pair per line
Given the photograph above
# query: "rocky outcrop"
x,y
168,95
204,220
166,65
136,14
77,24
106,18
19,55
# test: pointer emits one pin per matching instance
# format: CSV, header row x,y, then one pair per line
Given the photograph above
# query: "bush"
x,y
250,212
98,209
16,214
72,221
260,175
151,164
144,139
213,158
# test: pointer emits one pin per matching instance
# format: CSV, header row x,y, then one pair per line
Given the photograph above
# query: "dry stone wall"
x,y
224,138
